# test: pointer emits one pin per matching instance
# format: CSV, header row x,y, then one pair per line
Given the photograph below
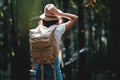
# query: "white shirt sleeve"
x,y
61,28
59,32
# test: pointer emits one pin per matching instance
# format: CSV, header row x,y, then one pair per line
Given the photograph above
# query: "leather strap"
x,y
54,67
42,69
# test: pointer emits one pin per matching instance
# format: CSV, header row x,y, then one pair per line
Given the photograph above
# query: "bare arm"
x,y
61,55
71,17
61,58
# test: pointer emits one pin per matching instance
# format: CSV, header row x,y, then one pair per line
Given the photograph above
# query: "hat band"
x,y
50,15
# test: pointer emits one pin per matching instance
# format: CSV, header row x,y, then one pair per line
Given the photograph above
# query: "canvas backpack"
x,y
43,46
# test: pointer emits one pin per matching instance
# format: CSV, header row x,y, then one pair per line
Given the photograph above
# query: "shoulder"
x,y
61,27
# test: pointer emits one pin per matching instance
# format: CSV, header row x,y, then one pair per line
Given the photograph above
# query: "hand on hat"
x,y
54,10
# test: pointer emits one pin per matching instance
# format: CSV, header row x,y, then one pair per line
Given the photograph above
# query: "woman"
x,y
53,16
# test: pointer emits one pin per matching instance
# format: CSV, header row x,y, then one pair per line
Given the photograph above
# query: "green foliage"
x,y
91,28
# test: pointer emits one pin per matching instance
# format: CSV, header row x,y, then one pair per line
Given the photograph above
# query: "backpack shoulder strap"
x,y
42,28
53,27
54,43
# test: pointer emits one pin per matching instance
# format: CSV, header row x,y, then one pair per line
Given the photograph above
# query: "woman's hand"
x,y
54,10
71,17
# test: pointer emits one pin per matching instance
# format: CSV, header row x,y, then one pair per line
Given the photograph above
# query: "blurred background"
x,y
90,48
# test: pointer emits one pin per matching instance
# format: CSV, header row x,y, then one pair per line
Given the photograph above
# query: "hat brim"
x,y
47,18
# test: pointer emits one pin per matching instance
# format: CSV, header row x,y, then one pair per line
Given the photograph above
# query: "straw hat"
x,y
47,15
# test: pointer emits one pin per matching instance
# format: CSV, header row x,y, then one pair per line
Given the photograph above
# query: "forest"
x,y
89,48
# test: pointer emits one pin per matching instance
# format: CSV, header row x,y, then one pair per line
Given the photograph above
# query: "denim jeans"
x,y
48,71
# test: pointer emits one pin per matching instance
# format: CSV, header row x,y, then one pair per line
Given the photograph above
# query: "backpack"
x,y
43,46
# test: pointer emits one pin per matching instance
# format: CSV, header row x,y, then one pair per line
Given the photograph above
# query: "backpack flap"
x,y
43,44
